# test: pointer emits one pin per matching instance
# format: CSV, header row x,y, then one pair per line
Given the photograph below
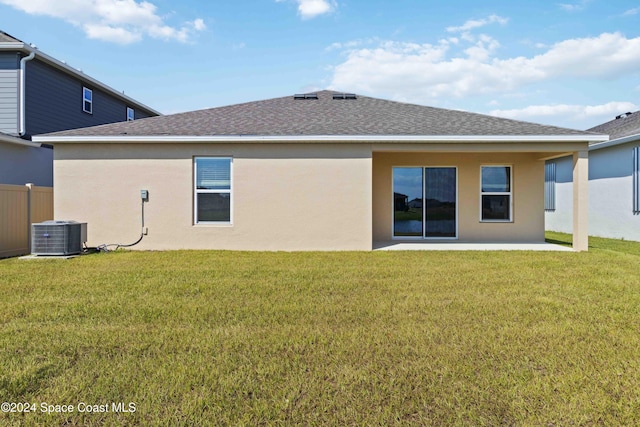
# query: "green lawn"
x,y
343,338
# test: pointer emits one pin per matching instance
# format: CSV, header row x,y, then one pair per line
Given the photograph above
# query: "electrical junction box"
x,y
144,194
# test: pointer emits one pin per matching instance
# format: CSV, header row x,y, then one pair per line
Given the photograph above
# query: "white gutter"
x,y
613,142
23,68
321,138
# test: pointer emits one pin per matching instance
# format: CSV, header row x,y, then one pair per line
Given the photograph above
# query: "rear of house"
x,y
322,171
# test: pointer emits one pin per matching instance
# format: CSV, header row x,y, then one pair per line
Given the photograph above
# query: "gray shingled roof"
x,y
323,116
625,125
8,38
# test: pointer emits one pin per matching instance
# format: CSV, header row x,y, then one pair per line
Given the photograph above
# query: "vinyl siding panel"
x,y
141,114
9,101
54,101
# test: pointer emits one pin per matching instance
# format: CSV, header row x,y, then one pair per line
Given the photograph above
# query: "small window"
x,y
212,193
550,186
636,180
131,115
495,193
87,100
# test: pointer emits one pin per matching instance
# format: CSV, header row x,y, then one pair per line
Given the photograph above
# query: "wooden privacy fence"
x,y
20,206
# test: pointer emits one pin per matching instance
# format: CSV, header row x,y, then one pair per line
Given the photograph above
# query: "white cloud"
x,y
113,34
602,112
574,7
632,12
477,23
426,72
118,21
347,45
199,25
311,8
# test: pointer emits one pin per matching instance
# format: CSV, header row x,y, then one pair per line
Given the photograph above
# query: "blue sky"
x,y
568,63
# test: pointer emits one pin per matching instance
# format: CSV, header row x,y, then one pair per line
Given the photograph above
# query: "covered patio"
x,y
475,193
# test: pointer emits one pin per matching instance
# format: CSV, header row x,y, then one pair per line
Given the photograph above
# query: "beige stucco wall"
x,y
285,197
528,194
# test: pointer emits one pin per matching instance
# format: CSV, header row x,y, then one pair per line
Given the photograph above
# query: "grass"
x,y
355,338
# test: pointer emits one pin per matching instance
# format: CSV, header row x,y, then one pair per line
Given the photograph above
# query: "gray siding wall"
x,y
54,102
20,165
9,64
9,102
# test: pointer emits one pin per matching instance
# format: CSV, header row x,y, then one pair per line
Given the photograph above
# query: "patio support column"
x,y
581,200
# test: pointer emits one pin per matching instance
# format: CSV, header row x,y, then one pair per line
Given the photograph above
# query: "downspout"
x,y
23,67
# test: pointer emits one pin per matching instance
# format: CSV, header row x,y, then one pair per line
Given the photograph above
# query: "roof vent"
x,y
344,96
305,96
622,116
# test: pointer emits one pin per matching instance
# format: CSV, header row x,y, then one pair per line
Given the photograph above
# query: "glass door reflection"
x,y
425,202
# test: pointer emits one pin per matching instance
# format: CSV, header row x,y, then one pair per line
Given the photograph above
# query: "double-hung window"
x,y
131,115
87,100
636,180
212,190
496,194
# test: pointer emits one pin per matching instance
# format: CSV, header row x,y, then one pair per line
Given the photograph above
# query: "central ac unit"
x,y
58,237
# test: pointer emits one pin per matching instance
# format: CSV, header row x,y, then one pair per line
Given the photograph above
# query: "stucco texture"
x,y
284,197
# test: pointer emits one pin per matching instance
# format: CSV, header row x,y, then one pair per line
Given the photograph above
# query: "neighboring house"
x,y
40,94
400,202
417,203
614,183
312,172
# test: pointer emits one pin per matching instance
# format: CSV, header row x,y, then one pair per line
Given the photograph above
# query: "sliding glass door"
x,y
425,202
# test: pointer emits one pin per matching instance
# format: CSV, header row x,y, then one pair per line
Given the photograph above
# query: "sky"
x,y
570,63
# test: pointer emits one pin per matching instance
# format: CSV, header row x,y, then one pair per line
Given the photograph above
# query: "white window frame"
x,y
131,114
85,100
197,191
497,193
550,186
636,180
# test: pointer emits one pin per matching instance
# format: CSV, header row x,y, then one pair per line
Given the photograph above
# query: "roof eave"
x,y
17,141
70,70
613,142
592,138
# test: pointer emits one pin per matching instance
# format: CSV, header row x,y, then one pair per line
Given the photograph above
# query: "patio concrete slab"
x,y
48,257
423,246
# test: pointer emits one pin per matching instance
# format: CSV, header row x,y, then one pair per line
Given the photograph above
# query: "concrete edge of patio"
x,y
455,246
